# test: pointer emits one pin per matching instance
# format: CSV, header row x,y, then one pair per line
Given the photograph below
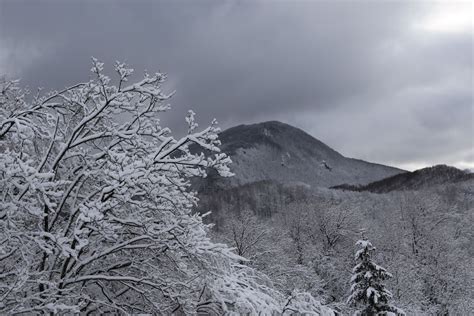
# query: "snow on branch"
x,y
367,287
97,209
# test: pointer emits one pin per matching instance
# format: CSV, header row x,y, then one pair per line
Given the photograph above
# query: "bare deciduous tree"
x,y
96,207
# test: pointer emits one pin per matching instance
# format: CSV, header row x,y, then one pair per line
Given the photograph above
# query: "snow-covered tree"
x,y
302,303
248,235
368,290
96,207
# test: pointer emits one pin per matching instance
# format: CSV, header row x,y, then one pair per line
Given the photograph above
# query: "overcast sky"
x,y
388,82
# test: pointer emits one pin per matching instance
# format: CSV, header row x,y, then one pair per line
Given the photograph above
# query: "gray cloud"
x,y
358,75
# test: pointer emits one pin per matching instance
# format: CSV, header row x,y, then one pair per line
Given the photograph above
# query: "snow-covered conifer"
x,y
367,288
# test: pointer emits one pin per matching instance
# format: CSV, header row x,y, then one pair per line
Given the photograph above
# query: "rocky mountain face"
x,y
416,180
277,151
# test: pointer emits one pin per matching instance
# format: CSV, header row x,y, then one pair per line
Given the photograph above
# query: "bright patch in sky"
x,y
452,17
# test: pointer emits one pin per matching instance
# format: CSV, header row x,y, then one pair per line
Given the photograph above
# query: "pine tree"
x,y
367,287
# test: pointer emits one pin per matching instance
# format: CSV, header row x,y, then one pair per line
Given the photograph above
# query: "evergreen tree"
x,y
367,287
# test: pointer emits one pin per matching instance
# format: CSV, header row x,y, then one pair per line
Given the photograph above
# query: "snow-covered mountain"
x,y
277,151
282,188
416,180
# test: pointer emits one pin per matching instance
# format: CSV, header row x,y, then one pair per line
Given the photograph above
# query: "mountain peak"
x,y
275,150
275,134
265,128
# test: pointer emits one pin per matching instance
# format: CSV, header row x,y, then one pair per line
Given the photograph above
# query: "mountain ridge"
x,y
415,180
273,150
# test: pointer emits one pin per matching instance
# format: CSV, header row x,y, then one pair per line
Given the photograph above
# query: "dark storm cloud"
x,y
358,75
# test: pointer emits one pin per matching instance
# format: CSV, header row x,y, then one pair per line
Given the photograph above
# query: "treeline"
x,y
307,236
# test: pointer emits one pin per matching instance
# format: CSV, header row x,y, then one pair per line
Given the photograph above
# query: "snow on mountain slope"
x,y
416,180
277,151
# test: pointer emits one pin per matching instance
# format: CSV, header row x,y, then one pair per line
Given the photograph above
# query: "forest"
x,y
100,213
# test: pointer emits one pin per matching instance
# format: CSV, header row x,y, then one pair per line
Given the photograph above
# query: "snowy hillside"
x,y
418,179
277,151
